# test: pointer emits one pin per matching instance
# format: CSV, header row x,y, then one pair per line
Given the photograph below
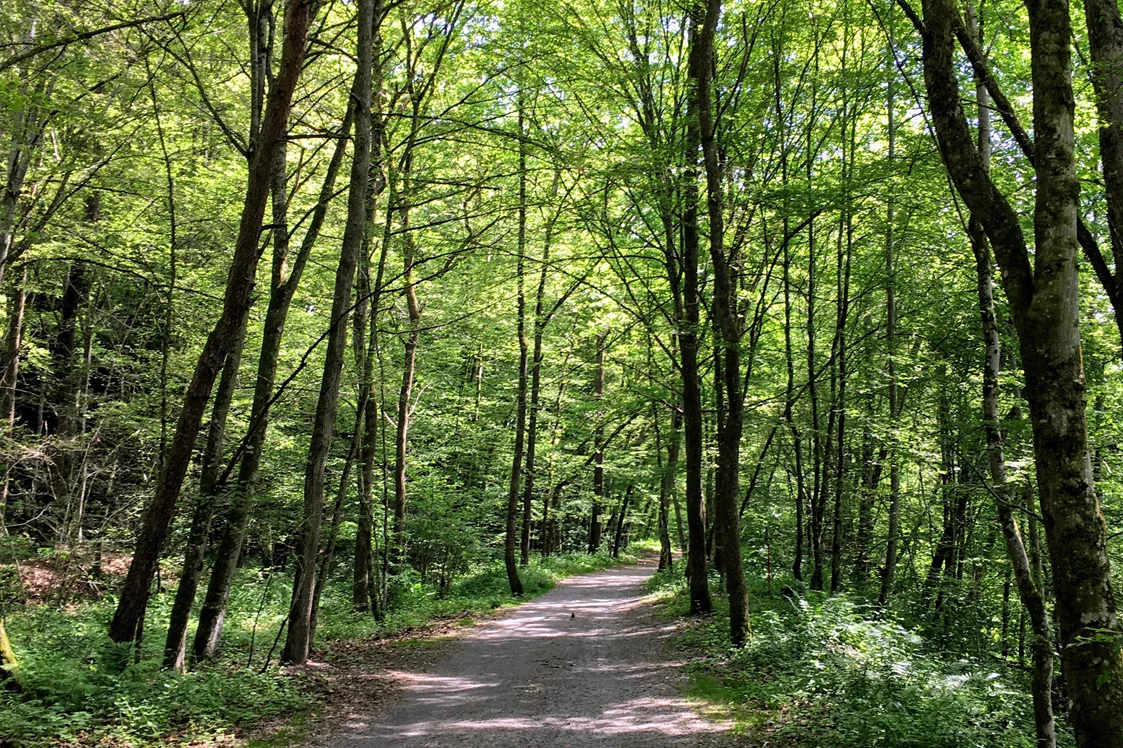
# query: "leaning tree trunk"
x,y
212,615
1045,305
176,642
298,640
158,517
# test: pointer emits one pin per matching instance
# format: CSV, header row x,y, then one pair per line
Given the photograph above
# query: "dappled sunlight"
x,y
581,665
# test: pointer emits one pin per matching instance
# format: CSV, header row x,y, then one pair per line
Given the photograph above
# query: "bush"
x,y
827,671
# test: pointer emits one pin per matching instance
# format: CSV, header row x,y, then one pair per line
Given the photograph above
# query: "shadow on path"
x,y
585,664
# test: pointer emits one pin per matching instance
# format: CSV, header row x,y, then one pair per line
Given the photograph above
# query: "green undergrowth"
x,y
829,671
78,688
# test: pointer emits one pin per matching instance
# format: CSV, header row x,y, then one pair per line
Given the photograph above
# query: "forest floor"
x,y
587,663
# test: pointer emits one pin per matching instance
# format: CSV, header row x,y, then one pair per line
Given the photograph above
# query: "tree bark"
x,y
688,334
236,302
1042,648
283,286
598,449
1105,41
405,394
511,538
667,480
13,345
621,518
175,643
889,571
727,324
1044,303
301,631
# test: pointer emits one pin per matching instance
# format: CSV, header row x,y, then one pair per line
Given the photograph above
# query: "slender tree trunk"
x,y
789,418
871,477
889,571
1044,303
1105,40
511,539
621,518
327,553
366,587
405,394
363,589
846,244
301,630
176,641
282,289
13,344
688,336
159,515
1041,682
598,449
667,478
1042,649
727,326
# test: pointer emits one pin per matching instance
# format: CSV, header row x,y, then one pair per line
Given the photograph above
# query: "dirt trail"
x,y
585,664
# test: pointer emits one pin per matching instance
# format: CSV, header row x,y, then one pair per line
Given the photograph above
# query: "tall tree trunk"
x,y
789,350
1042,649
1105,40
13,344
846,253
176,641
405,394
889,571
283,287
688,336
727,324
598,448
1029,591
159,515
366,592
789,418
511,538
301,629
364,589
1044,303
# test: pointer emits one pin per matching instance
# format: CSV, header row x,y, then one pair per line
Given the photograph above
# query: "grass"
x,y
78,688
823,670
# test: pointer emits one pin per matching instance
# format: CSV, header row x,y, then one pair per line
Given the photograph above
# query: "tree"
x,y
1045,308
301,614
158,518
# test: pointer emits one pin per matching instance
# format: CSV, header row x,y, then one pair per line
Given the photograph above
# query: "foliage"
x,y
78,687
825,670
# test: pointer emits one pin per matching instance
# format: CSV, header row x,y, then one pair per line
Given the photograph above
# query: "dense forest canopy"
x,y
370,295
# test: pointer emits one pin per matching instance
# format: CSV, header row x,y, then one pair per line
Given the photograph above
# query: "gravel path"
x,y
583,665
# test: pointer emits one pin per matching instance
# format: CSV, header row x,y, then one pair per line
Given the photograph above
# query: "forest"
x,y
323,320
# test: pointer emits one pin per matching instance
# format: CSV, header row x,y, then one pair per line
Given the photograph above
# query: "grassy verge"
x,y
823,670
78,688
